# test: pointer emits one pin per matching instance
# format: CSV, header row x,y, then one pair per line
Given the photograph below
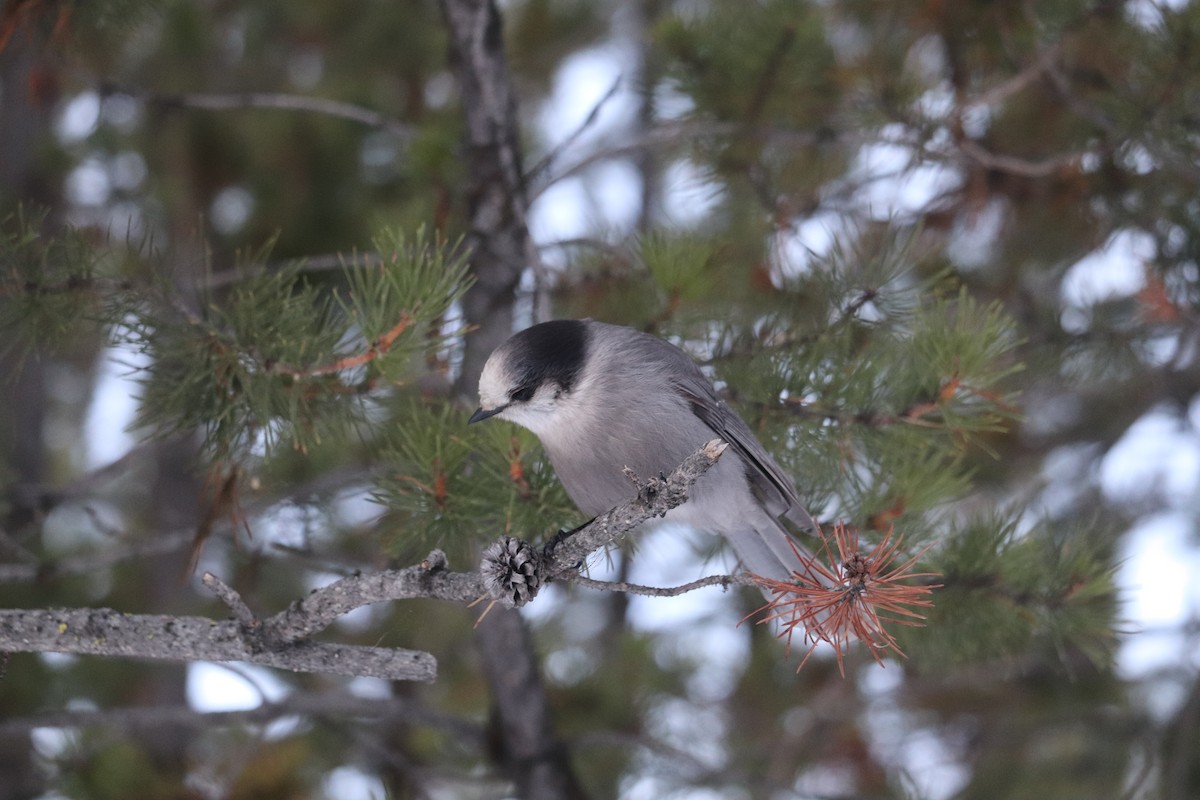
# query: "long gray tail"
x,y
766,549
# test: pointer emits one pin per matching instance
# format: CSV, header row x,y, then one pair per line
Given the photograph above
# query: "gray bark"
x,y
531,753
496,199
25,117
102,631
534,754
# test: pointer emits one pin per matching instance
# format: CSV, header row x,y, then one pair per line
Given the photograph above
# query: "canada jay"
x,y
605,397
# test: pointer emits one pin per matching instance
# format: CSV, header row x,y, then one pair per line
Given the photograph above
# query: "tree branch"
x,y
1016,165
548,160
655,498
336,704
724,581
269,100
123,547
102,631
317,611
282,640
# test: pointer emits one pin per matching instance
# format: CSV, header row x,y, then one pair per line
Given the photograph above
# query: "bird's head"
x,y
530,379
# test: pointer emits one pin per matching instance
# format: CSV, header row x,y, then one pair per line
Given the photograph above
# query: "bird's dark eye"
x,y
521,395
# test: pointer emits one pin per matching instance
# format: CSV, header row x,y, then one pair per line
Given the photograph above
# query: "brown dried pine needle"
x,y
851,598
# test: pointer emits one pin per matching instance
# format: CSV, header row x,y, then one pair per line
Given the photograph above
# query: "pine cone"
x,y
511,571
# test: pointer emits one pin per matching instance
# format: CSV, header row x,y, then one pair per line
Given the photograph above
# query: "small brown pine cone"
x,y
511,570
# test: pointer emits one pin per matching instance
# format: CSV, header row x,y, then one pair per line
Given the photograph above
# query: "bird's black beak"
x,y
481,414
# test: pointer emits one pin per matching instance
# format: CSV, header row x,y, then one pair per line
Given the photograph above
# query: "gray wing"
x,y
774,488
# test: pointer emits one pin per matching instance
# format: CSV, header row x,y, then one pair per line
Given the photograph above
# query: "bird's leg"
x,y
560,537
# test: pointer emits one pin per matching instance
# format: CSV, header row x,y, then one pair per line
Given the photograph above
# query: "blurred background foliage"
x,y
943,257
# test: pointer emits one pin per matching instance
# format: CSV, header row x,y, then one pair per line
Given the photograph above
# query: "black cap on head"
x,y
551,351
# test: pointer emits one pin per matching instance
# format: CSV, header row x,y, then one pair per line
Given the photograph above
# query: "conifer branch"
x,y
379,347
268,100
770,74
724,581
655,498
102,631
327,705
1016,165
318,610
232,600
40,569
69,285
282,640
851,598
513,572
573,137
1028,76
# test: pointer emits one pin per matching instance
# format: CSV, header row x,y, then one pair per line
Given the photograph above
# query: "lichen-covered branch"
x,y
321,608
282,640
655,498
102,631
724,581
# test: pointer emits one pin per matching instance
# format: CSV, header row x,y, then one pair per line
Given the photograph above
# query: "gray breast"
x,y
635,420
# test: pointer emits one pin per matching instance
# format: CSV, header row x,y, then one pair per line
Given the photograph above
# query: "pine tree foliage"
x,y
277,358
457,486
930,369
859,363
1009,592
50,285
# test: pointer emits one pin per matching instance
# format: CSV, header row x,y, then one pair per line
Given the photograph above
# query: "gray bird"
x,y
605,397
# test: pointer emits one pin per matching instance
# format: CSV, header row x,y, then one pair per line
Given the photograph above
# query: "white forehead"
x,y
494,383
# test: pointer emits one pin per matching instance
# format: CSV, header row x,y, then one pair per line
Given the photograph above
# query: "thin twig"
x,y
724,581
770,74
547,160
269,100
1015,165
70,285
310,704
1042,64
379,347
327,262
89,563
232,600
669,135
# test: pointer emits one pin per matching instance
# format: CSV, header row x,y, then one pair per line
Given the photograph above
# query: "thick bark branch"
x,y
282,641
102,631
655,498
318,610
